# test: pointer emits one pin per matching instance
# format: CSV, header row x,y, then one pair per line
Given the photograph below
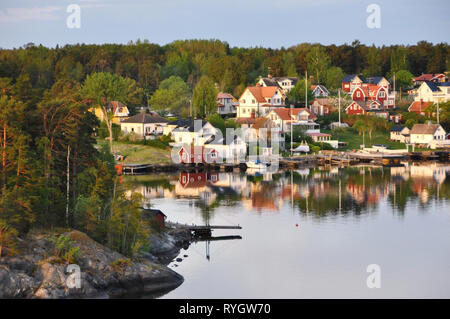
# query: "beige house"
x,y
427,135
400,134
433,92
144,124
258,101
118,109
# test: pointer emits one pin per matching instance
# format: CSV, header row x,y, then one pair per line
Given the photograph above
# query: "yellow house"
x,y
119,110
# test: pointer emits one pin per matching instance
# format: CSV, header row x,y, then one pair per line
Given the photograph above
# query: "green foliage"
x,y
318,62
64,248
334,78
173,95
8,240
403,79
220,123
296,95
204,99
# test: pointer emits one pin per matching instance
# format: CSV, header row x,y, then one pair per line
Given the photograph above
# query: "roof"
x,y
433,86
222,141
286,113
146,117
424,128
260,122
419,106
375,79
283,78
114,105
322,101
225,96
428,76
270,82
349,78
153,212
261,93
190,125
397,128
246,120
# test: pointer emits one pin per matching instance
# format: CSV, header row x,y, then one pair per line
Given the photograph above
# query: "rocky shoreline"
x,y
104,273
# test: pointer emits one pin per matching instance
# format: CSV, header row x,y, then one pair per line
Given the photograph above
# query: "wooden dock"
x,y
200,230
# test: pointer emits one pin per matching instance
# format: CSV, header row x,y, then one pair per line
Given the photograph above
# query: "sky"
x,y
243,23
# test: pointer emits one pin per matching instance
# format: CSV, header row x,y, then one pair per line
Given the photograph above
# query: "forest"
x,y
51,172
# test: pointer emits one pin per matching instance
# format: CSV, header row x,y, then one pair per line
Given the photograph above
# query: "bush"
x,y
65,249
8,240
120,264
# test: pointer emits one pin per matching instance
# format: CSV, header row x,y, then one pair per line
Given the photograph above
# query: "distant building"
x,y
320,106
430,77
285,83
258,101
350,82
118,109
189,154
427,135
419,107
144,124
400,134
155,214
433,92
193,132
226,104
319,90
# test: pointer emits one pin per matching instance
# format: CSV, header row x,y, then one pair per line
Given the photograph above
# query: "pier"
x,y
201,230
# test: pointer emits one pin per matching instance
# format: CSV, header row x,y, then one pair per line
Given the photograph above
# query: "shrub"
x,y
8,240
64,248
119,264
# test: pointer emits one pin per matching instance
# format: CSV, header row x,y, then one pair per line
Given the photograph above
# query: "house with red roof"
x,y
284,117
258,101
320,106
419,107
373,92
430,77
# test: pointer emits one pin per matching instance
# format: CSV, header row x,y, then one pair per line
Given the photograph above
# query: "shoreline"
x,y
104,273
327,158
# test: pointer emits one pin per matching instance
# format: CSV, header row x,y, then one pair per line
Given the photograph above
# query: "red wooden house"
x,y
197,155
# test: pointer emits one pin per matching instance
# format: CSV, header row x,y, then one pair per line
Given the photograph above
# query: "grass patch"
x,y
354,140
141,154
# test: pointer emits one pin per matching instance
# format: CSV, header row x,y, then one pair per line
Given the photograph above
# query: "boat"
x,y
256,164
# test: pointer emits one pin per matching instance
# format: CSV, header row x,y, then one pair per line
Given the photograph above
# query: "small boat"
x,y
256,164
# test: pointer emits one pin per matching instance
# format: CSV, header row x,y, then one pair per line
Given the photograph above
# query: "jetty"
x,y
201,230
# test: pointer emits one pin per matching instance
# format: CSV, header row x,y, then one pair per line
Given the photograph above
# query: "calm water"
x,y
311,233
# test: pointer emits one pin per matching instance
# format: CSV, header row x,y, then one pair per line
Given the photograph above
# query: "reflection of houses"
x,y
194,184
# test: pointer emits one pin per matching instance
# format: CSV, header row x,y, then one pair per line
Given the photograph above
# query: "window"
x,y
358,94
253,101
382,94
213,155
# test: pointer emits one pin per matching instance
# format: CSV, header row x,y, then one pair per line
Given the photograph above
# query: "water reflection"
x,y
311,191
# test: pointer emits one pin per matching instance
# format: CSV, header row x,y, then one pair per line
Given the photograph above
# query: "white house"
x,y
258,101
319,90
226,104
433,92
231,149
284,117
144,124
193,132
400,134
427,135
286,83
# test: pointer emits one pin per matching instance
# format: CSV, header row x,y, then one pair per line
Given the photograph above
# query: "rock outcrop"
x,y
103,273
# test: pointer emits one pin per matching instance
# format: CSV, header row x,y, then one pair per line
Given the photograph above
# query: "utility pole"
x,y
306,88
190,108
291,128
437,115
339,101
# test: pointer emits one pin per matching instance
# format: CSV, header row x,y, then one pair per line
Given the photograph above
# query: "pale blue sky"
x,y
246,23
